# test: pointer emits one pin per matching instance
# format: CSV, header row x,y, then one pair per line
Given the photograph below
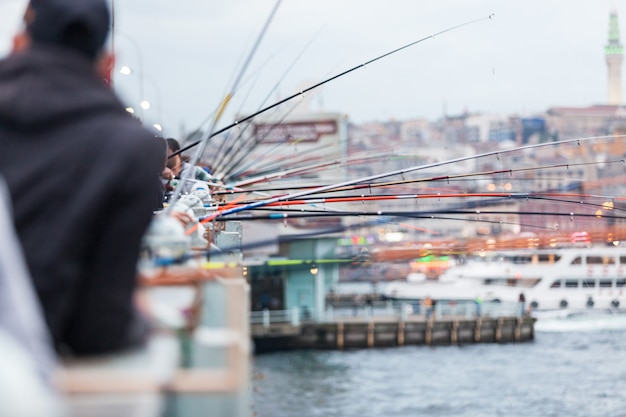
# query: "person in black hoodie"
x,y
82,176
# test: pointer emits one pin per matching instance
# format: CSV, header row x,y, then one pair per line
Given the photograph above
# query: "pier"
x,y
387,325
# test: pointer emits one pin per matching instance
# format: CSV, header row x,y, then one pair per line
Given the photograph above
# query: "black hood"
x,y
36,88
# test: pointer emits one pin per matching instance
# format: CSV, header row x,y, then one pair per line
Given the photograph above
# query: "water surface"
x,y
561,373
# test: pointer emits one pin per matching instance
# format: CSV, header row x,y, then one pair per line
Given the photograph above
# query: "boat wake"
x,y
580,320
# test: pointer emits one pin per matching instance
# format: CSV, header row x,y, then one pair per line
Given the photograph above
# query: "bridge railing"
x,y
401,310
266,317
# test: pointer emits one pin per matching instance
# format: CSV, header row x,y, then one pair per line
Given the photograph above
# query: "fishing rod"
x,y
401,172
273,89
286,173
440,216
289,172
256,74
222,107
386,218
547,196
450,178
306,90
447,178
450,182
253,76
283,214
265,166
234,161
380,220
606,202
254,142
537,194
217,155
280,213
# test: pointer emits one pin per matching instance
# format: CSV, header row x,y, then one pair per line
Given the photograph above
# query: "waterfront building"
x,y
283,271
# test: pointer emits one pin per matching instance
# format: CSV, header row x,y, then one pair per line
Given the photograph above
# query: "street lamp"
x,y
127,71
145,104
157,126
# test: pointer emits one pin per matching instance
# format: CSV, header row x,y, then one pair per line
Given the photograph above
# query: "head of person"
x,y
173,146
79,25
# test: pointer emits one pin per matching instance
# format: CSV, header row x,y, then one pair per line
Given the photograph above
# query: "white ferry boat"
x,y
569,278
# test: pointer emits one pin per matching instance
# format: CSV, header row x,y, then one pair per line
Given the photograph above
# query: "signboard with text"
x,y
294,131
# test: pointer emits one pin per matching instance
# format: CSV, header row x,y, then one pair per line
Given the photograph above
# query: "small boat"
x,y
568,278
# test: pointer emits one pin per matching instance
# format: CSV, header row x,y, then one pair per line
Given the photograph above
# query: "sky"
x,y
531,55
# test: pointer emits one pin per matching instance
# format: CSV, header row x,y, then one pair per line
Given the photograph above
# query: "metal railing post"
x,y
266,318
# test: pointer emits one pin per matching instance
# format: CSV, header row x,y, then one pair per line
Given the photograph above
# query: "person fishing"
x,y
180,169
83,176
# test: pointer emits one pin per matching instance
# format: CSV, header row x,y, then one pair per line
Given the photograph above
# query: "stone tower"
x,y
614,53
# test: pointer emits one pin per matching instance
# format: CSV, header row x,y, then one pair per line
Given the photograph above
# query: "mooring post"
x,y
478,328
499,326
454,333
400,333
428,333
370,334
340,335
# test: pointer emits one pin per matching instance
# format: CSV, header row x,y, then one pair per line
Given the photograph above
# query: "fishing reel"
x,y
175,235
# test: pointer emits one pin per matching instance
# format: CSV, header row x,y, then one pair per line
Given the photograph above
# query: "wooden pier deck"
x,y
386,331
